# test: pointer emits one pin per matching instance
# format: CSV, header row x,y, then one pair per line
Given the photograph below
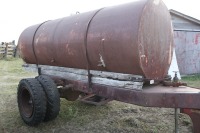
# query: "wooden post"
x,y
6,51
14,51
13,42
1,53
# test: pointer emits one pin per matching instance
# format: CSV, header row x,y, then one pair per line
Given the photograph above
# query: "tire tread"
x,y
53,97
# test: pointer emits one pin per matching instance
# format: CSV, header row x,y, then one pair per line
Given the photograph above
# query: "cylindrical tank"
x,y
134,38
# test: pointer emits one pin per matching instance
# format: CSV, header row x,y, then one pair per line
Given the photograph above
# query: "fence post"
x,y
13,42
6,50
15,52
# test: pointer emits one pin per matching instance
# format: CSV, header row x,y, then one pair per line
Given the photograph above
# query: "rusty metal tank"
x,y
133,38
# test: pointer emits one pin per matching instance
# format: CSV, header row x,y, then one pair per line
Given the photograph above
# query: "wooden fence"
x,y
7,49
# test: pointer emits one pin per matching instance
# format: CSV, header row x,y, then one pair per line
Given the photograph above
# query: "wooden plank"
x,y
10,49
95,80
11,46
125,81
103,74
7,49
10,54
30,67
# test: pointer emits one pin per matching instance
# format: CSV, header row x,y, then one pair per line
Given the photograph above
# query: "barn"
x,y
187,42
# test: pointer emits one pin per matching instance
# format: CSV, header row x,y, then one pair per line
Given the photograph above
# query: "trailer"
x,y
115,53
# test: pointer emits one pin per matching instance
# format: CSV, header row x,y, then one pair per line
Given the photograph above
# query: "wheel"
x,y
31,101
53,97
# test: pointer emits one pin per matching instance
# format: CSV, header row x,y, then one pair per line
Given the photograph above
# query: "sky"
x,y
16,15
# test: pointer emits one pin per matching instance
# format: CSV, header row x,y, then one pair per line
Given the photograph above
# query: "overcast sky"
x,y
16,15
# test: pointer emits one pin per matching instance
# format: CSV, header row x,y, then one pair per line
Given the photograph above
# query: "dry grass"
x,y
76,117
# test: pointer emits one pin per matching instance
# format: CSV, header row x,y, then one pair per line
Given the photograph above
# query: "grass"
x,y
192,80
77,117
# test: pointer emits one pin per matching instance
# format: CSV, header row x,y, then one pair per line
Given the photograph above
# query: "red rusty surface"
x,y
182,97
149,96
154,96
134,38
195,117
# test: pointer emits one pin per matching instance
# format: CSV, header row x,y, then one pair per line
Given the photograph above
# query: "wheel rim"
x,y
26,102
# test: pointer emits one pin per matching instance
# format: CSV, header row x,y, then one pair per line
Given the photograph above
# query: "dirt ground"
x,y
76,117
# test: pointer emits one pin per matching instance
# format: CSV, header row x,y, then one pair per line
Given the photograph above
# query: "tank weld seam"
x,y
33,45
86,49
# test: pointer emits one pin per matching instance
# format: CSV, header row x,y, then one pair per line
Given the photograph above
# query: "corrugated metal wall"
x,y
187,46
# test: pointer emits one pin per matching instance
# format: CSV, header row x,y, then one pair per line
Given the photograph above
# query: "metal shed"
x,y
187,42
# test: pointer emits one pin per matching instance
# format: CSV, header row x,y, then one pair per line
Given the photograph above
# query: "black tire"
x,y
53,97
31,101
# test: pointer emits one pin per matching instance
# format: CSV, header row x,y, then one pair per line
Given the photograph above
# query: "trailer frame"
x,y
154,95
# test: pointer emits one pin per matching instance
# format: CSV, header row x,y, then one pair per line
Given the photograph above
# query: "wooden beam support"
x,y
127,81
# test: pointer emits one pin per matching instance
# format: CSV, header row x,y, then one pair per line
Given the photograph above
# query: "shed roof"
x,y
182,22
194,20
